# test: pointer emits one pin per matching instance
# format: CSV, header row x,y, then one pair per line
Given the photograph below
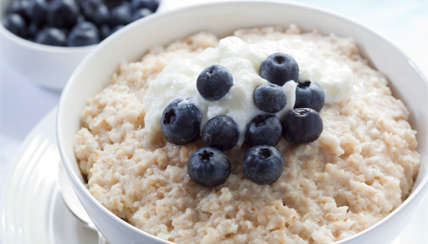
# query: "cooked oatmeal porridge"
x,y
359,170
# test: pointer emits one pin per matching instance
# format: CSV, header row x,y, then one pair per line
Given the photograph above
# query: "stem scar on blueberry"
x,y
303,112
169,117
205,156
259,121
265,152
279,60
304,84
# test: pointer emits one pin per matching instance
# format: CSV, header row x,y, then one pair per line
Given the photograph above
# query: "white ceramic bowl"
x,y
130,43
48,66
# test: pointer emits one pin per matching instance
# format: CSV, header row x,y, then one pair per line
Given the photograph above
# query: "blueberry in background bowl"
x,y
121,15
96,12
15,24
141,13
83,34
33,52
62,13
36,11
27,18
51,36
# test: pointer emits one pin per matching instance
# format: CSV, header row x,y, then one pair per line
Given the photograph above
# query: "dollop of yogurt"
x,y
178,80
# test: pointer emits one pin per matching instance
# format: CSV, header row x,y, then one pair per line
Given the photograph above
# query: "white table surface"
x,y
23,104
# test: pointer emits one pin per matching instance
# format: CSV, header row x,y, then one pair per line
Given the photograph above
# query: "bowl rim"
x,y
421,188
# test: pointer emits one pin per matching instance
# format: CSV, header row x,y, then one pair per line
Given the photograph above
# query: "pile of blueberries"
x,y
73,22
263,163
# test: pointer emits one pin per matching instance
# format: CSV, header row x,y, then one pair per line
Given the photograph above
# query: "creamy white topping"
x,y
178,80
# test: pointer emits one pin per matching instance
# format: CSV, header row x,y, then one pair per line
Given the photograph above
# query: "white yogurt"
x,y
178,80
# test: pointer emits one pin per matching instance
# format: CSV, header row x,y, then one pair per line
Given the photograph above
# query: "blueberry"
x,y
141,13
208,167
33,29
15,24
264,129
309,95
104,31
279,68
95,11
270,97
80,19
121,15
51,36
18,7
263,164
112,3
221,132
181,121
214,82
116,28
150,4
36,11
83,34
78,2
66,31
301,125
63,13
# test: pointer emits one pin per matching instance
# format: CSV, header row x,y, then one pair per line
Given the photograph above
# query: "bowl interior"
x,y
93,74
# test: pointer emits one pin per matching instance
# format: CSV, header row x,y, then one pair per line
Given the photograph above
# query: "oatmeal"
x,y
360,169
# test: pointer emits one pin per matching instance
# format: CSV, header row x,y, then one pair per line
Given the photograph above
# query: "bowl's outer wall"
x,y
48,66
131,42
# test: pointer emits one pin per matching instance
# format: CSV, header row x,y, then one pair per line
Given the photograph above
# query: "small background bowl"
x,y
45,65
93,74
